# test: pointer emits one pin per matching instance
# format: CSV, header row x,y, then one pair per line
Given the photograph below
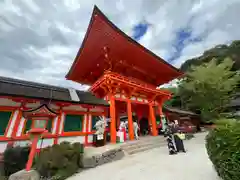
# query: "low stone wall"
x,y
25,175
105,157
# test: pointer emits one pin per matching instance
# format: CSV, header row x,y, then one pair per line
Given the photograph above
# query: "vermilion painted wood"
x,y
58,126
36,132
130,121
87,127
107,47
153,120
127,86
32,153
113,119
17,123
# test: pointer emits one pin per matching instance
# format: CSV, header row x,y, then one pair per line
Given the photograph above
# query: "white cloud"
x,y
39,39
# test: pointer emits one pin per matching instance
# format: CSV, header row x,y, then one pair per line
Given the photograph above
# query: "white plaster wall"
x,y
22,143
45,143
97,109
54,125
61,123
8,102
3,146
75,108
90,138
85,123
53,107
14,118
20,127
90,123
41,143
80,139
33,105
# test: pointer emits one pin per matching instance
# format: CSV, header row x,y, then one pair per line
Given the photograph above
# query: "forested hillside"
x,y
209,77
219,52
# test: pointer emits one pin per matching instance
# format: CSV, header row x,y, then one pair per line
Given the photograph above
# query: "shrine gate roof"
x,y
106,46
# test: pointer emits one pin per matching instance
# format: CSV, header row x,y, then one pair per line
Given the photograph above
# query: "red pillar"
x,y
32,153
113,119
130,121
87,126
153,120
59,118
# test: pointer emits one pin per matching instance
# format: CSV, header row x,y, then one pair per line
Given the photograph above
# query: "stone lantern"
x,y
40,117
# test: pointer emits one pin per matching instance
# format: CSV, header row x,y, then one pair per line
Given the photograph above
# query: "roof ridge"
x,y
30,83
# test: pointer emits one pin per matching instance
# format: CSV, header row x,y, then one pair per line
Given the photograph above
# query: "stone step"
x,y
144,148
143,141
143,145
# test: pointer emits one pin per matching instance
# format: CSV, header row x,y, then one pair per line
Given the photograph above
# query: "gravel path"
x,y
157,164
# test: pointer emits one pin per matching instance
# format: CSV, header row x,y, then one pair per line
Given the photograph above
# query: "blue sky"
x,y
182,38
139,30
39,39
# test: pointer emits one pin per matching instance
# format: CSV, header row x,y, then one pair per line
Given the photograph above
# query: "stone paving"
x,y
156,164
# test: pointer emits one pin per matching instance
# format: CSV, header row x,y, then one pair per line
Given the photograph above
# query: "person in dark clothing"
x,y
144,129
170,140
179,142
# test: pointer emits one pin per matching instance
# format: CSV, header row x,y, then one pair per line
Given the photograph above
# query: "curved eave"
x,y
96,11
40,107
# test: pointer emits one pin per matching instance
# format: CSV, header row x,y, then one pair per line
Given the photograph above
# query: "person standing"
x,y
179,142
170,140
136,128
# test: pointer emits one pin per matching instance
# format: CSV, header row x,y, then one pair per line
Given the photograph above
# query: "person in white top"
x,y
136,128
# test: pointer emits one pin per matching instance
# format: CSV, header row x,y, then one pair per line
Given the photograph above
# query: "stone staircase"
x,y
144,144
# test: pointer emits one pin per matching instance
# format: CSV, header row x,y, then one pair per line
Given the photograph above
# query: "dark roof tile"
x,y
16,87
180,111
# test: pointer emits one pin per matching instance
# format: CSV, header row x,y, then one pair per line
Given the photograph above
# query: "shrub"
x,y
223,147
59,161
15,159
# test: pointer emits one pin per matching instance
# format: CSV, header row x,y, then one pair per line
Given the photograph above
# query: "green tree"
x,y
175,100
220,52
209,87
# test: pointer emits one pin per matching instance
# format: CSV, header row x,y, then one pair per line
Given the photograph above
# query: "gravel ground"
x,y
157,164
